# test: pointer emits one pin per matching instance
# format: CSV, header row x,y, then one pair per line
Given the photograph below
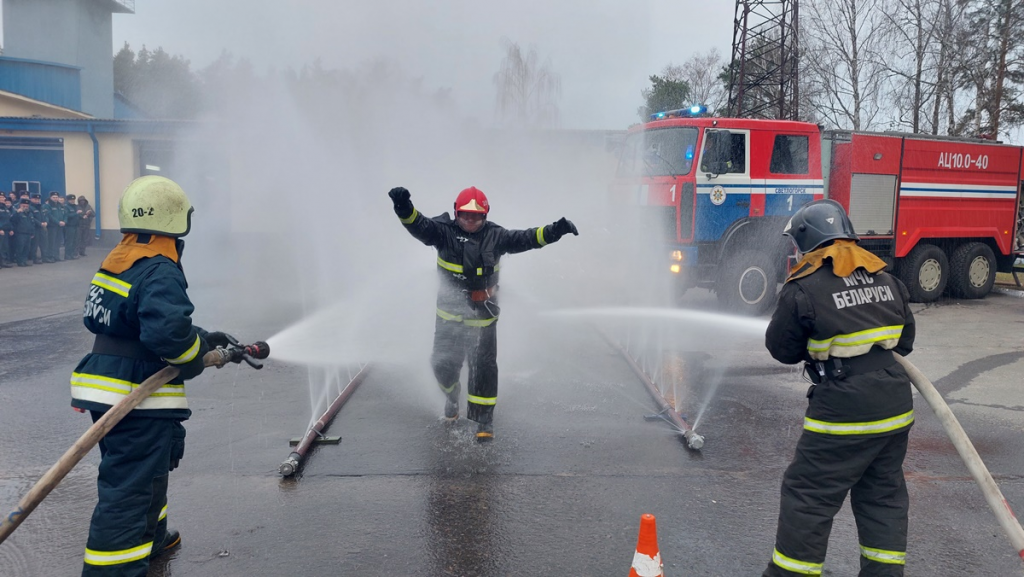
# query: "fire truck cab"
x,y
942,212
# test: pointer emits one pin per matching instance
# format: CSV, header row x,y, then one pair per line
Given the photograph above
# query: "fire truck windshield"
x,y
658,152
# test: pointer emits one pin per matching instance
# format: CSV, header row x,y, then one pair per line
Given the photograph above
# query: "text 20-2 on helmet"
x,y
472,199
817,223
155,205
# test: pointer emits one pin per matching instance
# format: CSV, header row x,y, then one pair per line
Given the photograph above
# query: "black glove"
x,y
562,227
219,339
400,196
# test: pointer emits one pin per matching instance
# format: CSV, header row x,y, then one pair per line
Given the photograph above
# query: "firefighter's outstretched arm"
x,y
424,229
513,241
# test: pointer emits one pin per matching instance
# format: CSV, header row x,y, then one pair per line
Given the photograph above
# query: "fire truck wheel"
x,y
972,271
925,271
748,283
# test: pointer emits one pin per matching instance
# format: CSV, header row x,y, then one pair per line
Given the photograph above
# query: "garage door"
x,y
32,160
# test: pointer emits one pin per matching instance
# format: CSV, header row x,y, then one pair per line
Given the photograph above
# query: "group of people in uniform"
x,y
33,231
854,433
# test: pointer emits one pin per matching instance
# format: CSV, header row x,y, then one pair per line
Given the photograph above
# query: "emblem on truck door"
x,y
717,195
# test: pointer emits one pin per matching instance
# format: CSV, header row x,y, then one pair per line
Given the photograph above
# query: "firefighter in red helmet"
x,y
468,252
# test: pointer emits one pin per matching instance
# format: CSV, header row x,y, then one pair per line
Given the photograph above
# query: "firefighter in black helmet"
x,y
842,316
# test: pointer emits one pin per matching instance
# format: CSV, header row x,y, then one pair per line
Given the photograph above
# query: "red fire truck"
x,y
945,213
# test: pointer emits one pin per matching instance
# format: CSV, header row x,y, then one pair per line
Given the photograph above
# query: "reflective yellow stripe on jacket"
x,y
411,217
883,556
540,236
114,285
468,322
854,344
457,268
865,428
449,266
187,355
93,557
110,391
790,564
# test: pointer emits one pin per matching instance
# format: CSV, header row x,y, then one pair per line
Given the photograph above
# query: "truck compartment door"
x,y
872,204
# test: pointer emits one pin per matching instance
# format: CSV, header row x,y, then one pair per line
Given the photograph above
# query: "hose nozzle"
x,y
236,352
258,350
693,440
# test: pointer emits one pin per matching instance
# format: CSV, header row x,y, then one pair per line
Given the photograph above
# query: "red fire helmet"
x,y
472,199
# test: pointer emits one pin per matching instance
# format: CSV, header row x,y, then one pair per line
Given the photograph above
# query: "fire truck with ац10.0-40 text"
x,y
943,212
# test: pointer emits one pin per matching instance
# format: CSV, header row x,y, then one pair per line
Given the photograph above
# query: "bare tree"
x,y
910,28
528,91
840,55
702,73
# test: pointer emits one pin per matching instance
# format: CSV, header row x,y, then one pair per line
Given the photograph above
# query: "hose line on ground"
x,y
963,445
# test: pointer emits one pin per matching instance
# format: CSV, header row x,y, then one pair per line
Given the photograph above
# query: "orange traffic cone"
x,y
647,559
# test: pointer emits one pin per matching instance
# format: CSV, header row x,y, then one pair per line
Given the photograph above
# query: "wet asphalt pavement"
x,y
559,492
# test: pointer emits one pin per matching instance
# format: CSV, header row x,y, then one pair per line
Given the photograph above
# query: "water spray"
x,y
693,440
235,352
315,434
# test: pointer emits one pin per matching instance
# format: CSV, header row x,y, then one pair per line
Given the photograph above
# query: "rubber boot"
x,y
451,403
484,432
172,540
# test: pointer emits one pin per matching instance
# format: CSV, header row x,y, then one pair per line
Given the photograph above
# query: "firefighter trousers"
x,y
130,519
454,344
814,487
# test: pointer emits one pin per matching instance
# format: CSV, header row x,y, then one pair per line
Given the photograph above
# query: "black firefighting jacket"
x,y
844,329
470,262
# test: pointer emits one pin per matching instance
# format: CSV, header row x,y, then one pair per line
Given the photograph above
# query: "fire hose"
x,y
234,353
993,496
295,459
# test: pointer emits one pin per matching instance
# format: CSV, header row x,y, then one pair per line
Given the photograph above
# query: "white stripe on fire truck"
x,y
942,190
787,187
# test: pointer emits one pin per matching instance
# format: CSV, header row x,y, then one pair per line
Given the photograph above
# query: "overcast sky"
x,y
602,49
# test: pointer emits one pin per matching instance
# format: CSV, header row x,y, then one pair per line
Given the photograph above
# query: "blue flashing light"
x,y
695,110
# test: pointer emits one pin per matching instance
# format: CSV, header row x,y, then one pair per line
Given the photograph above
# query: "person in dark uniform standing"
x,y
85,232
6,232
468,252
24,229
55,223
38,250
139,311
843,316
72,218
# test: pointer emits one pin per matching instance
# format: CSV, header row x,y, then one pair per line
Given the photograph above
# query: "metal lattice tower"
x,y
764,73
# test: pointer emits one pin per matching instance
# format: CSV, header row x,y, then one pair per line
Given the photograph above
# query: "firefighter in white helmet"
x,y
141,315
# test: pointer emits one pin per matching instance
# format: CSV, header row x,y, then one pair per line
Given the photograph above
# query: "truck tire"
x,y
925,271
972,271
748,283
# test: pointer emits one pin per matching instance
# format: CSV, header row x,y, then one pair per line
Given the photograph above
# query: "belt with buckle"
x,y
837,368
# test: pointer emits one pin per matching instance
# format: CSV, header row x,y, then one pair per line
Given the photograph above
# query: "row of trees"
x,y
952,67
161,85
